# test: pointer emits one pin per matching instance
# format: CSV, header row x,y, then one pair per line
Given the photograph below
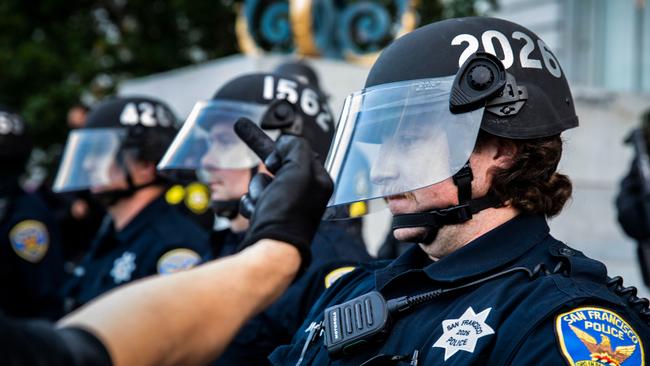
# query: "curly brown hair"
x,y
532,184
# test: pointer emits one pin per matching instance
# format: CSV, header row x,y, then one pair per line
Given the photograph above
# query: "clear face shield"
x,y
207,141
395,138
91,161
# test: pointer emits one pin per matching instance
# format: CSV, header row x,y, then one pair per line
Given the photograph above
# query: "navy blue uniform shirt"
x,y
159,240
558,318
31,259
335,251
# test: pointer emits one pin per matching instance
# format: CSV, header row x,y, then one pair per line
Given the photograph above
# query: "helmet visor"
x,y
207,139
90,160
399,137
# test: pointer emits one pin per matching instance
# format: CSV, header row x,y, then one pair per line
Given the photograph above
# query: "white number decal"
x,y
488,37
472,46
287,90
323,119
549,60
309,102
129,115
163,118
526,50
146,115
268,87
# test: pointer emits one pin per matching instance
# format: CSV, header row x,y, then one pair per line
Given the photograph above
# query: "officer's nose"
x,y
384,170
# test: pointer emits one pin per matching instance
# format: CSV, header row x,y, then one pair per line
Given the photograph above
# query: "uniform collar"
x,y
494,249
144,219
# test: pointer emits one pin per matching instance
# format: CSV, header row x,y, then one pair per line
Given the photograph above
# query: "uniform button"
x,y
567,252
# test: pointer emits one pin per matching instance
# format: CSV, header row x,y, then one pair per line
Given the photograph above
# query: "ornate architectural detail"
x,y
353,30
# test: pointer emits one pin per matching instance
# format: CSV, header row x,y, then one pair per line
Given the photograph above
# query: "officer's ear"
x,y
505,152
500,152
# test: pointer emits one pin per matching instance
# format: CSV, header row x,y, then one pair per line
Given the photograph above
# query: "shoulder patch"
x,y
30,240
334,275
177,260
593,336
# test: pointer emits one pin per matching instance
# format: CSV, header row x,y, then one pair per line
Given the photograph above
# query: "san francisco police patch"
x,y
592,336
177,260
30,240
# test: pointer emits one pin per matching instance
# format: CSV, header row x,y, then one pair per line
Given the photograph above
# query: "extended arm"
x,y
190,317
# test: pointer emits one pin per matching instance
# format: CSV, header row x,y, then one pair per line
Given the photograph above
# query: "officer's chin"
x,y
411,234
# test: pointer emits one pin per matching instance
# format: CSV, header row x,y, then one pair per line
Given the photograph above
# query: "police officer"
x,y
31,262
208,143
115,156
633,202
464,147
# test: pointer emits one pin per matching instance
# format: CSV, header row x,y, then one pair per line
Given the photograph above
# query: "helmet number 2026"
x,y
307,100
488,38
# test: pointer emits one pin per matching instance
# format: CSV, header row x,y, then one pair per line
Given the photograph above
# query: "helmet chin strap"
x,y
110,198
435,219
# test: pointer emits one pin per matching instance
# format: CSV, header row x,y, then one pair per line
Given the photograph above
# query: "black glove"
x,y
289,206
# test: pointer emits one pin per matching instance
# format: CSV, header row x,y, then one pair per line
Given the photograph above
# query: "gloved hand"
x,y
289,206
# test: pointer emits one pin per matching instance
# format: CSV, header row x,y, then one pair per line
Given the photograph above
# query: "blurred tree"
x,y
55,53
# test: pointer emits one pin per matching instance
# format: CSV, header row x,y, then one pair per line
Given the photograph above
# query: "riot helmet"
x,y
118,131
299,70
278,103
426,99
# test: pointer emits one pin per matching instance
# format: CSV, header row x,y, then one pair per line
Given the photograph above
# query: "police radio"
x,y
356,323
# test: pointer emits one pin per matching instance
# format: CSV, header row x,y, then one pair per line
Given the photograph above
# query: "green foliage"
x,y
54,53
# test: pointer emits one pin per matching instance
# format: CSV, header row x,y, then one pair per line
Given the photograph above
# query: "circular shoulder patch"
x,y
177,260
30,240
336,274
593,336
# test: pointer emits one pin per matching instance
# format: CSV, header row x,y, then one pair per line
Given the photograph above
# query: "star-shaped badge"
x,y
462,334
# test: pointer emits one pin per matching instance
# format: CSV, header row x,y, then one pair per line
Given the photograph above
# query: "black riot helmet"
x,y
441,48
117,129
299,70
15,143
426,98
278,103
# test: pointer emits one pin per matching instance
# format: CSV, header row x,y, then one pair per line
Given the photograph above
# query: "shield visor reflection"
x,y
90,160
207,139
398,137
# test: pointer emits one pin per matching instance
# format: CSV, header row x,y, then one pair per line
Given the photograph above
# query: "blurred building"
x,y
604,47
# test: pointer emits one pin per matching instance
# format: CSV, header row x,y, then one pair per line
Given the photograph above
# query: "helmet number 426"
x,y
488,39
